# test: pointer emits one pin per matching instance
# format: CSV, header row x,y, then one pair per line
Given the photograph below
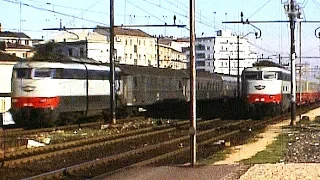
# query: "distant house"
x,y
16,43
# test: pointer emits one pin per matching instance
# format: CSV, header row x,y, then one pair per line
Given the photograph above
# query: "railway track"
x,y
165,145
18,159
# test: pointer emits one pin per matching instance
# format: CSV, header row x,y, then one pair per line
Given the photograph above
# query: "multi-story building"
x,y
16,43
171,58
220,53
139,47
232,51
87,44
204,53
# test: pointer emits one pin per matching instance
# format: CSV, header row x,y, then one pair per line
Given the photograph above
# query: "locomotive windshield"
x,y
269,75
43,73
28,73
253,75
24,73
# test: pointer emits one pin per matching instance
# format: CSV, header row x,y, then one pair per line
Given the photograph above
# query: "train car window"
x,y
135,81
149,83
269,75
180,84
24,73
74,74
107,74
57,74
43,73
253,75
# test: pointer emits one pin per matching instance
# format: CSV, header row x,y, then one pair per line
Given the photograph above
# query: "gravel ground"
x,y
302,157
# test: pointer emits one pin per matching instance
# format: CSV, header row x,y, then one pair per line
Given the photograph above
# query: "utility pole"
x,y
238,66
229,65
112,65
300,75
158,52
292,12
193,128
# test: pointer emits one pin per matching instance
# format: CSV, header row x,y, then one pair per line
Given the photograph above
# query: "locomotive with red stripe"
x,y
267,90
44,91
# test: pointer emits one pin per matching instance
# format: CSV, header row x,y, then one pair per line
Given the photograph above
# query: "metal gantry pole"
x,y
112,65
300,69
238,67
193,127
292,17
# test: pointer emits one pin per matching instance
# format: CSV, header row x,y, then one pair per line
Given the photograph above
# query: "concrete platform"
x,y
214,172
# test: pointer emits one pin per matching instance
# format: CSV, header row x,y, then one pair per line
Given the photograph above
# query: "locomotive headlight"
x,y
262,99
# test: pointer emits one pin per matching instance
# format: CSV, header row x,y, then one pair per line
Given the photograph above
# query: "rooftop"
x,y
122,31
9,34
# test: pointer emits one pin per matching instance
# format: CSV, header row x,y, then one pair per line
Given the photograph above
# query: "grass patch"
x,y
274,153
219,156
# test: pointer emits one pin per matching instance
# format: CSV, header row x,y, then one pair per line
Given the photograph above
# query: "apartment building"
x,y
229,50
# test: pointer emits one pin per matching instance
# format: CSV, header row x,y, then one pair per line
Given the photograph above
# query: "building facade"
x,y
231,51
171,58
139,48
16,43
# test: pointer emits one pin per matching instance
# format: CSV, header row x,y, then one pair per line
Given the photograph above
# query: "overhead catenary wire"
x,y
48,10
177,13
259,9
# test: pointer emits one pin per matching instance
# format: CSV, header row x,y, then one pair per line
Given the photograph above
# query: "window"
x,y
130,56
43,73
130,42
200,47
253,75
70,51
82,52
269,75
208,47
135,48
24,73
200,55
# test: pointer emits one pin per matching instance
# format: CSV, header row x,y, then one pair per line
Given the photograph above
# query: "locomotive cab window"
x,y
253,75
43,73
269,75
24,73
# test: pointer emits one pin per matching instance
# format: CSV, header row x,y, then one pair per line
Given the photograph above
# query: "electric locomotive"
x,y
44,92
266,89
